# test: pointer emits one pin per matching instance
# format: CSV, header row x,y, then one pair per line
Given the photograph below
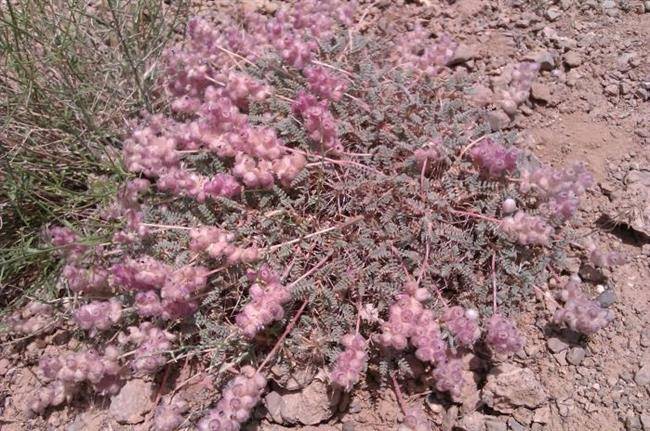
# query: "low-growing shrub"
x,y
311,179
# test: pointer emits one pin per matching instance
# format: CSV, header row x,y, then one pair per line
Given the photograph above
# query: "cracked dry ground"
x,y
591,102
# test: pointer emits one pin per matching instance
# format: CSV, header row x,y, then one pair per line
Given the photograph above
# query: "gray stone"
x,y
611,90
545,59
474,421
642,377
273,404
645,421
133,402
607,298
542,415
572,264
609,4
633,423
572,59
553,13
576,355
561,358
645,339
498,120
541,92
515,426
309,406
625,60
556,345
495,424
91,420
462,55
509,386
565,4
646,6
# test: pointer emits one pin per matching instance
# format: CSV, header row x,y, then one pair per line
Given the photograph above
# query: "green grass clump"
x,y
70,76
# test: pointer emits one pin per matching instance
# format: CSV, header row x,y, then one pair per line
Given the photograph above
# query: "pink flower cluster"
x,y
526,229
518,88
350,364
268,296
98,315
318,120
462,324
144,273
168,417
560,188
508,206
150,149
580,313
66,372
222,185
420,53
33,318
218,243
179,292
161,290
403,317
409,319
238,399
200,81
261,174
493,159
414,420
324,84
219,126
151,345
502,335
79,278
294,50
85,280
599,258
68,242
127,207
427,340
449,376
294,31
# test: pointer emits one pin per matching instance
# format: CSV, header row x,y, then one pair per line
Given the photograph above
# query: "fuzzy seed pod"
x,y
502,335
350,364
579,313
238,399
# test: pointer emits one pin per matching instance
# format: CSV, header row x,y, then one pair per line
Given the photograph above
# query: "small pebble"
x,y
576,355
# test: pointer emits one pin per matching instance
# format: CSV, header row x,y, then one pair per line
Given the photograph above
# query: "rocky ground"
x,y
592,103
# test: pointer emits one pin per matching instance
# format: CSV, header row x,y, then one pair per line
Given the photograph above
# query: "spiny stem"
x,y
311,271
166,226
398,393
494,286
470,145
320,232
475,215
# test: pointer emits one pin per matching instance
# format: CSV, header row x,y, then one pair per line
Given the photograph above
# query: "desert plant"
x,y
321,174
70,75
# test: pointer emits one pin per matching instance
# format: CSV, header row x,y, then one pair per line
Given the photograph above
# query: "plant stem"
x,y
475,215
494,287
311,235
398,394
283,336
